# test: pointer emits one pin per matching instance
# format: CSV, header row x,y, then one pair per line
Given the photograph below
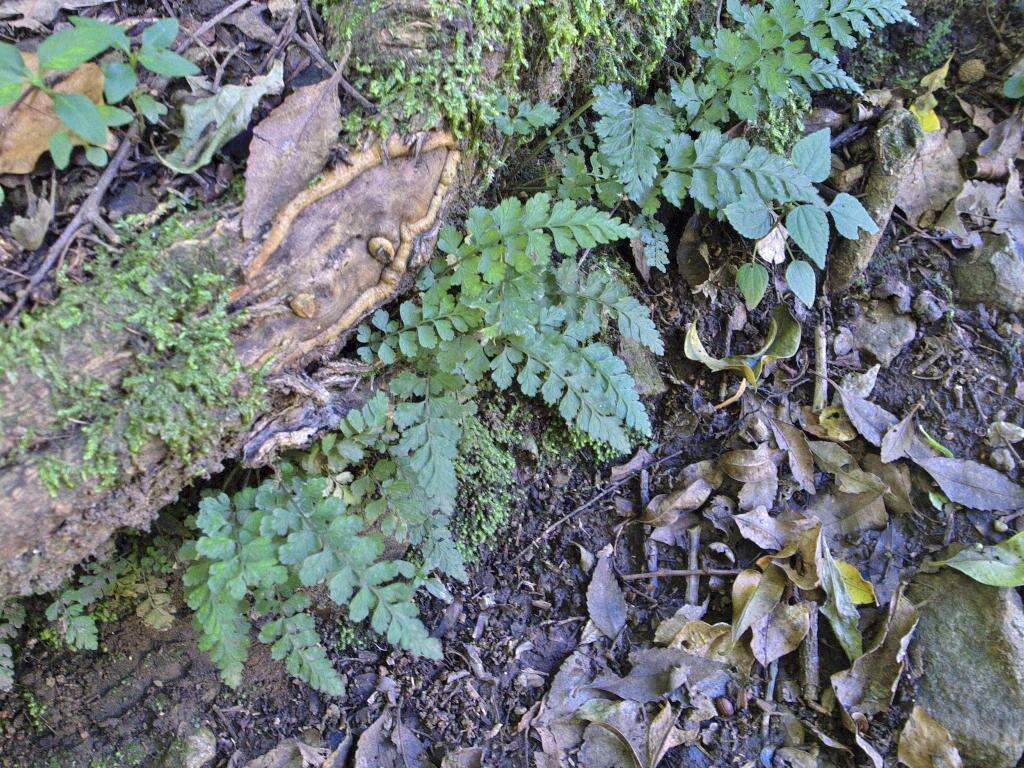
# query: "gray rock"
x,y
640,362
928,308
993,275
194,749
882,332
970,647
897,290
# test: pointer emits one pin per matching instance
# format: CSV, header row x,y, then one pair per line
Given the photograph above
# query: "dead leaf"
x,y
867,687
764,530
663,736
29,123
636,462
974,485
897,481
1002,433
998,565
34,14
925,743
801,461
760,493
772,247
780,632
288,149
861,384
898,441
835,424
464,758
932,181
754,595
699,480
605,603
30,230
872,421
830,457
615,735
860,589
748,466
845,514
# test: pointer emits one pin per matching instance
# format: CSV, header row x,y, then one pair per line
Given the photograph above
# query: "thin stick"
x,y
210,23
809,661
693,561
820,368
680,572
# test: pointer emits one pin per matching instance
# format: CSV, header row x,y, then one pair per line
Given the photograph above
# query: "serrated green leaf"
x,y
808,226
752,280
80,115
812,155
750,217
802,281
850,217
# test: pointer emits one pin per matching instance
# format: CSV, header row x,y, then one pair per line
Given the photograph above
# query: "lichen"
x,y
431,61
183,383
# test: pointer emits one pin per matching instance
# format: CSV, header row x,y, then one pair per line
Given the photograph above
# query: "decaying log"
x,y
333,255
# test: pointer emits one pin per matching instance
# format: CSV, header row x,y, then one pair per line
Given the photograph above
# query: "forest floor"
x,y
539,595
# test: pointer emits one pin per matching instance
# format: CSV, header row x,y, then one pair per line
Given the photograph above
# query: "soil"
x,y
520,616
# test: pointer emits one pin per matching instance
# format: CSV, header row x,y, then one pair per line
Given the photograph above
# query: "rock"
x,y
641,364
928,308
195,749
843,344
993,275
882,332
1002,459
893,287
970,648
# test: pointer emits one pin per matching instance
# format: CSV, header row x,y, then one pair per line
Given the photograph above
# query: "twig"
x,y
591,502
210,23
88,213
680,572
809,661
820,369
693,561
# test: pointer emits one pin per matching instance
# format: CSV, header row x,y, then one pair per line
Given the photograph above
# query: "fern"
x,y
12,618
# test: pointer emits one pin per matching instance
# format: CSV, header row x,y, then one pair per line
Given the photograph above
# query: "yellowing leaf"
x,y
928,118
860,589
783,340
936,78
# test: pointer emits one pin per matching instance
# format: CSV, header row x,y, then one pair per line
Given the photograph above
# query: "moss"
x,y
184,382
428,62
783,126
488,493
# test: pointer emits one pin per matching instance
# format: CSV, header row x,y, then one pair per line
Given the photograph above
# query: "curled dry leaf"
x,y
801,461
1001,433
29,123
782,341
288,149
464,758
615,735
605,603
867,687
925,743
749,466
764,530
830,457
834,424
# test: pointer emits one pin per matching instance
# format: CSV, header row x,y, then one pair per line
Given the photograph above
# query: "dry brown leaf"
x,y
801,461
748,466
760,493
754,595
898,441
34,14
764,530
835,425
780,632
845,514
829,456
933,180
872,421
30,230
464,758
663,735
29,123
925,743
974,485
615,736
867,687
605,603
288,149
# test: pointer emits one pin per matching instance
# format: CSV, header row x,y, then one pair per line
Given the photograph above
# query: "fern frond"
x,y
631,138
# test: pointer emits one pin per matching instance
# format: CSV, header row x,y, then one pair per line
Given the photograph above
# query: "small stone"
x,y
993,275
928,308
843,344
969,646
1002,459
896,289
196,749
971,71
303,305
882,332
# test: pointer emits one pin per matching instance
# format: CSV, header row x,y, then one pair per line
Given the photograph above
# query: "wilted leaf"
x,y
699,480
29,123
288,149
605,603
872,421
764,530
861,384
925,743
780,632
33,14
783,340
212,122
849,514
830,457
801,461
662,735
974,485
615,736
799,558
867,687
754,595
836,425
999,565
748,466
899,439
839,608
772,247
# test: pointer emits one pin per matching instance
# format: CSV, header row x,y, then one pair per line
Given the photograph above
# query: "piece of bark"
x,y
896,143
347,245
